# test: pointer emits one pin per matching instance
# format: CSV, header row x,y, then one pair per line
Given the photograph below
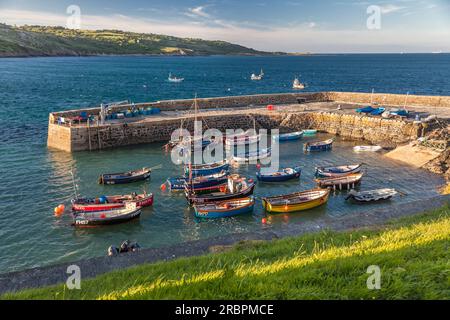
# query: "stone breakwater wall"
x,y
386,132
281,98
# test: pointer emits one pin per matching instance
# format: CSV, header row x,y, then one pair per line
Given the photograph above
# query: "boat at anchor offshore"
x,y
257,77
297,84
174,79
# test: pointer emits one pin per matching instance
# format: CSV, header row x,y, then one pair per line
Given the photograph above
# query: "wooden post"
x,y
98,135
89,134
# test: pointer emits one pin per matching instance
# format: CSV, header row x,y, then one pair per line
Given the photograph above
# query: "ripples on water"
x,y
35,180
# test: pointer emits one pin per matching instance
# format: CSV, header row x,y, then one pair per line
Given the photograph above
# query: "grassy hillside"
x,y
58,41
413,255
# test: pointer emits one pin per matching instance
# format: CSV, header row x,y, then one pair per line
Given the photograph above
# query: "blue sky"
x,y
283,25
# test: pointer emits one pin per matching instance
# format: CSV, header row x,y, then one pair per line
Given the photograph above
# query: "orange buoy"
x,y
58,211
62,207
163,187
264,220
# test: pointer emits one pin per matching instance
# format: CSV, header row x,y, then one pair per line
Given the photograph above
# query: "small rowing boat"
x,y
96,218
224,209
344,182
318,146
206,169
111,202
371,195
330,172
367,148
297,201
252,156
237,187
125,177
279,176
288,136
174,79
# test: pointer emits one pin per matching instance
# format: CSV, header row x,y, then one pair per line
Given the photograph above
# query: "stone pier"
x,y
331,112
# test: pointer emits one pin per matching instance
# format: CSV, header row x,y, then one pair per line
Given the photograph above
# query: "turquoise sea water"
x,y
34,179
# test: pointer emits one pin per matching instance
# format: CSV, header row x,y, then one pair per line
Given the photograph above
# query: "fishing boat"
x,y
399,112
252,156
174,79
96,218
318,146
242,140
338,171
199,184
378,111
371,195
341,183
297,84
111,202
223,209
309,132
280,176
125,177
297,201
206,169
367,148
237,187
257,77
288,136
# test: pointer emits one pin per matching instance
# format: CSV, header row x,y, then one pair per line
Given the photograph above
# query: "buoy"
x,y
264,220
163,187
103,216
62,207
58,211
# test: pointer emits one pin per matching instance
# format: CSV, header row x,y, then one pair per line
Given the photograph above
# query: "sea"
x,y
35,179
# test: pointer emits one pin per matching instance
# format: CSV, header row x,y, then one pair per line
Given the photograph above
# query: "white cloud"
x,y
199,11
390,8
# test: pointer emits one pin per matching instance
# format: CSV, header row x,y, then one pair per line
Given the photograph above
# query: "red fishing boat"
x,y
111,202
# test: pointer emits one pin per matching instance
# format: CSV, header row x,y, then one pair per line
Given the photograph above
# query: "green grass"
x,y
413,254
51,41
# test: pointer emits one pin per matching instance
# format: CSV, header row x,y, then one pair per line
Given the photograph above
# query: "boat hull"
x,y
286,208
217,213
279,178
289,136
80,221
333,172
198,199
324,146
89,207
207,171
106,179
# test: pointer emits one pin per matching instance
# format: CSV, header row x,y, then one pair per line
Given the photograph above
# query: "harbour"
x,y
171,221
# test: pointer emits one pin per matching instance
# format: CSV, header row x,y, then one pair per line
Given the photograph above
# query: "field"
x,y
412,253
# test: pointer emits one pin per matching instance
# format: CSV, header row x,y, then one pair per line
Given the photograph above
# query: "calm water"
x,y
34,179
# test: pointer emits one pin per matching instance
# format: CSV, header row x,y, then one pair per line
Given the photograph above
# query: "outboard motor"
x,y
112,251
125,246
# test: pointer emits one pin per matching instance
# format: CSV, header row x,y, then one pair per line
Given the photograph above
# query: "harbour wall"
x,y
387,132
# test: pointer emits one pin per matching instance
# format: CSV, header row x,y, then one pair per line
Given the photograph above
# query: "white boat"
x,y
252,156
242,140
257,77
367,148
174,79
297,84
371,195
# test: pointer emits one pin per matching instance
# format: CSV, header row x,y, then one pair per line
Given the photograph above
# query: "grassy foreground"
x,y
413,255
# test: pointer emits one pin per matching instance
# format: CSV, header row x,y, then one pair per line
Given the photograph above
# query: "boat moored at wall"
x,y
297,201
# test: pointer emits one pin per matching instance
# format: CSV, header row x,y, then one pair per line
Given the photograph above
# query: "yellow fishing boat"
x,y
297,201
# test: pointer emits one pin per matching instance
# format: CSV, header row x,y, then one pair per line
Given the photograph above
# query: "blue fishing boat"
x,y
318,146
399,112
367,109
279,176
338,171
206,169
378,111
199,184
125,177
288,136
224,209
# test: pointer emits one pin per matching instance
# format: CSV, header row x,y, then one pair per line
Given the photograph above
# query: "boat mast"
x,y
406,99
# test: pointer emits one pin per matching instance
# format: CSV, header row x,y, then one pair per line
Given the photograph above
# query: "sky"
x,y
320,26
